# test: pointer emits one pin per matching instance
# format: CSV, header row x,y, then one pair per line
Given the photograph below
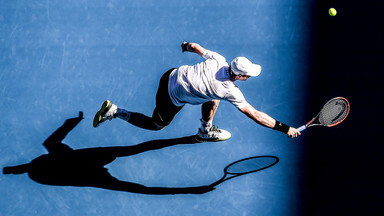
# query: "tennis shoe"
x,y
106,112
212,134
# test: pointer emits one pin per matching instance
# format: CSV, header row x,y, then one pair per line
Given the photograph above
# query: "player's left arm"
x,y
193,47
267,121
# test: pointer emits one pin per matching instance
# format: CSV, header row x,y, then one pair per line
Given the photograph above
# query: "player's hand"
x,y
184,46
293,132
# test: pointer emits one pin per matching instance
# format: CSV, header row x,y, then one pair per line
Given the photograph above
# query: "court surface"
x,y
59,58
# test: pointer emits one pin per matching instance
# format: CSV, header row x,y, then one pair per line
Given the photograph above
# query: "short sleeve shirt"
x,y
205,81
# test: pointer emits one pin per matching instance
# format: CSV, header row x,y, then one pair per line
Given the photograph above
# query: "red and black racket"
x,y
332,113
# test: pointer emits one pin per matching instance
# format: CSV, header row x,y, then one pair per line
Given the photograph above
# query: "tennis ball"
x,y
332,11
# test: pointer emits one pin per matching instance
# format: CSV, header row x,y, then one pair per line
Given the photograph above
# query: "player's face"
x,y
243,77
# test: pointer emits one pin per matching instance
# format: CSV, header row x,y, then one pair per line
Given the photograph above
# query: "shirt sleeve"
x,y
214,55
236,97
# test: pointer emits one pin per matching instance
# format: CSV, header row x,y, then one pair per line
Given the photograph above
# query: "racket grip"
x,y
216,183
302,128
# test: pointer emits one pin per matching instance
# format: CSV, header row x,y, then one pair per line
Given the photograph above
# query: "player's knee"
x,y
159,122
158,126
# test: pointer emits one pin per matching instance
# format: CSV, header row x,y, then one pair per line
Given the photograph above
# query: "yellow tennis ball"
x,y
332,11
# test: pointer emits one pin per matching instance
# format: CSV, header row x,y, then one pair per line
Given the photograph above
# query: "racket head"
x,y
334,112
250,165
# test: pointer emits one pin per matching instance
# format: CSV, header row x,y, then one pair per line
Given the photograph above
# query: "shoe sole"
x,y
199,139
104,109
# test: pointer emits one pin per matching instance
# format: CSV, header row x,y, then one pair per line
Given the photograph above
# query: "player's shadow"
x,y
65,166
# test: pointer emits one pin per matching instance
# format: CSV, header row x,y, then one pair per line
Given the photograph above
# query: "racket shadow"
x,y
247,166
64,166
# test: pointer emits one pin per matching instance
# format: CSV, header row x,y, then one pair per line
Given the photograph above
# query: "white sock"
x,y
205,125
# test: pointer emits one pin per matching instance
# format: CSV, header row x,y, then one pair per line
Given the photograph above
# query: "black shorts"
x,y
165,110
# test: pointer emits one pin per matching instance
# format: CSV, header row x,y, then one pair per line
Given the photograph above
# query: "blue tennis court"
x,y
62,57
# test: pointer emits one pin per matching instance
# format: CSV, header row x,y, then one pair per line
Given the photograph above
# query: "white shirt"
x,y
203,82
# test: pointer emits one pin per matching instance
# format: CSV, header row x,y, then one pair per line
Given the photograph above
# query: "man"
x,y
205,83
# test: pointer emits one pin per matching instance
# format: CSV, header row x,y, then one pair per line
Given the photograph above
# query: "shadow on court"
x,y
64,166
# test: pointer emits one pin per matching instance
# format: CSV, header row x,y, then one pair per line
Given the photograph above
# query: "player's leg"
x,y
165,110
138,119
162,115
208,110
207,131
109,111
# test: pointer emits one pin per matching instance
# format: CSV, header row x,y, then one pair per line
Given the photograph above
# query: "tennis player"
x,y
204,83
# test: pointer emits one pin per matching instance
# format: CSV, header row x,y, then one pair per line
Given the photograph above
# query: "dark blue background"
x,y
344,166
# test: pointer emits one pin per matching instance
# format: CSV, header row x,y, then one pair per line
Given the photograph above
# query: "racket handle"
x,y
216,183
302,128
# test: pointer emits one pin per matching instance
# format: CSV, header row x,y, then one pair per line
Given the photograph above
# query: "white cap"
x,y
242,66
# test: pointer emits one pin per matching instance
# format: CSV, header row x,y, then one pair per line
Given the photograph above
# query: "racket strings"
x,y
333,112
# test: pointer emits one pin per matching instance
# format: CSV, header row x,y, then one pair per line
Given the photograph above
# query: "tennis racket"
x,y
245,166
332,113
